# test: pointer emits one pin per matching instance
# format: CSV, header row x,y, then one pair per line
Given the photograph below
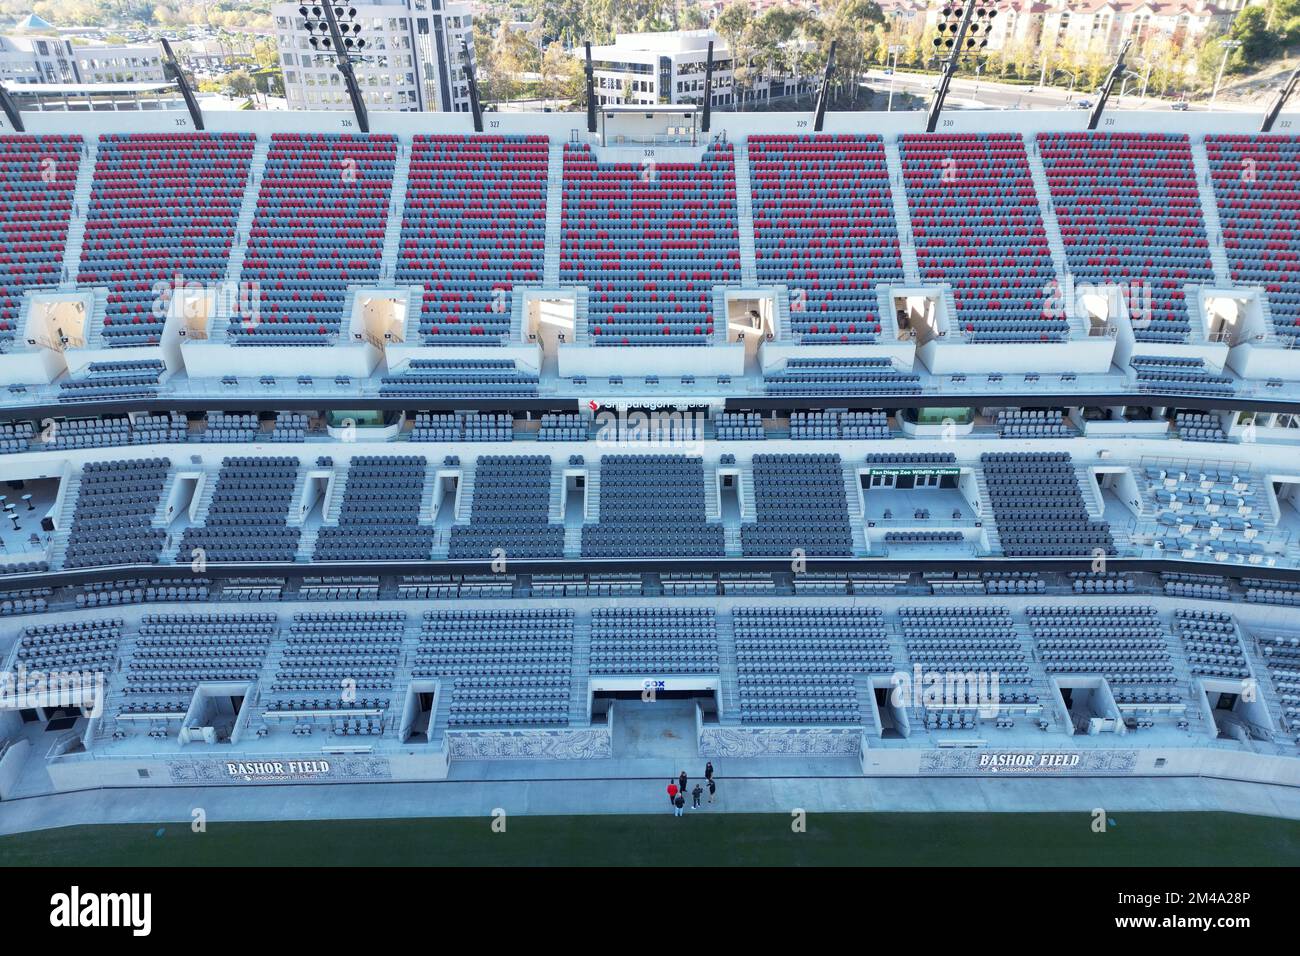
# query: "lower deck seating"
x,y
502,667
1126,644
339,661
654,641
799,665
82,647
1211,642
174,653
976,649
1281,653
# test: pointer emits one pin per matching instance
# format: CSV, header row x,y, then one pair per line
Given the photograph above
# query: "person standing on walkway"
x,y
672,792
713,787
695,797
681,782
708,770
679,803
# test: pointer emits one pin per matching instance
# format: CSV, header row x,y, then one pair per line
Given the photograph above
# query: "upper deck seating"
x,y
1257,185
1130,214
824,228
652,505
839,425
846,376
478,378
977,226
1165,373
131,379
40,176
319,227
650,242
379,519
473,226
163,208
801,505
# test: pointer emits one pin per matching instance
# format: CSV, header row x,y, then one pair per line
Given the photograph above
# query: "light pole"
x,y
894,51
1228,47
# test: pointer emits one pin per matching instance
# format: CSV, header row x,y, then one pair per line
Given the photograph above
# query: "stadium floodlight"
x,y
1283,94
172,70
471,81
822,96
963,28
11,110
1116,72
332,29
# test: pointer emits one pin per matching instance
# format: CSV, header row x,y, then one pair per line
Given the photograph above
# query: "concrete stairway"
x,y
593,494
986,512
580,671
581,298
466,502
243,229
902,214
554,214
95,326
59,547
396,206
728,685
80,210
745,215
1052,228
1210,214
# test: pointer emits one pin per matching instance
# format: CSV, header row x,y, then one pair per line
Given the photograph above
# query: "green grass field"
x,y
891,839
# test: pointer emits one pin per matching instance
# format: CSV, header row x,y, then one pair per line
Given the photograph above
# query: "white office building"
x,y
35,53
412,60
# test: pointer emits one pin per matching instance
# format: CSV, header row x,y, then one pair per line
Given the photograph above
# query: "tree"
x,y
733,25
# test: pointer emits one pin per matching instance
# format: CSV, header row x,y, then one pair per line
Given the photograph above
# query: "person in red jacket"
x,y
672,794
